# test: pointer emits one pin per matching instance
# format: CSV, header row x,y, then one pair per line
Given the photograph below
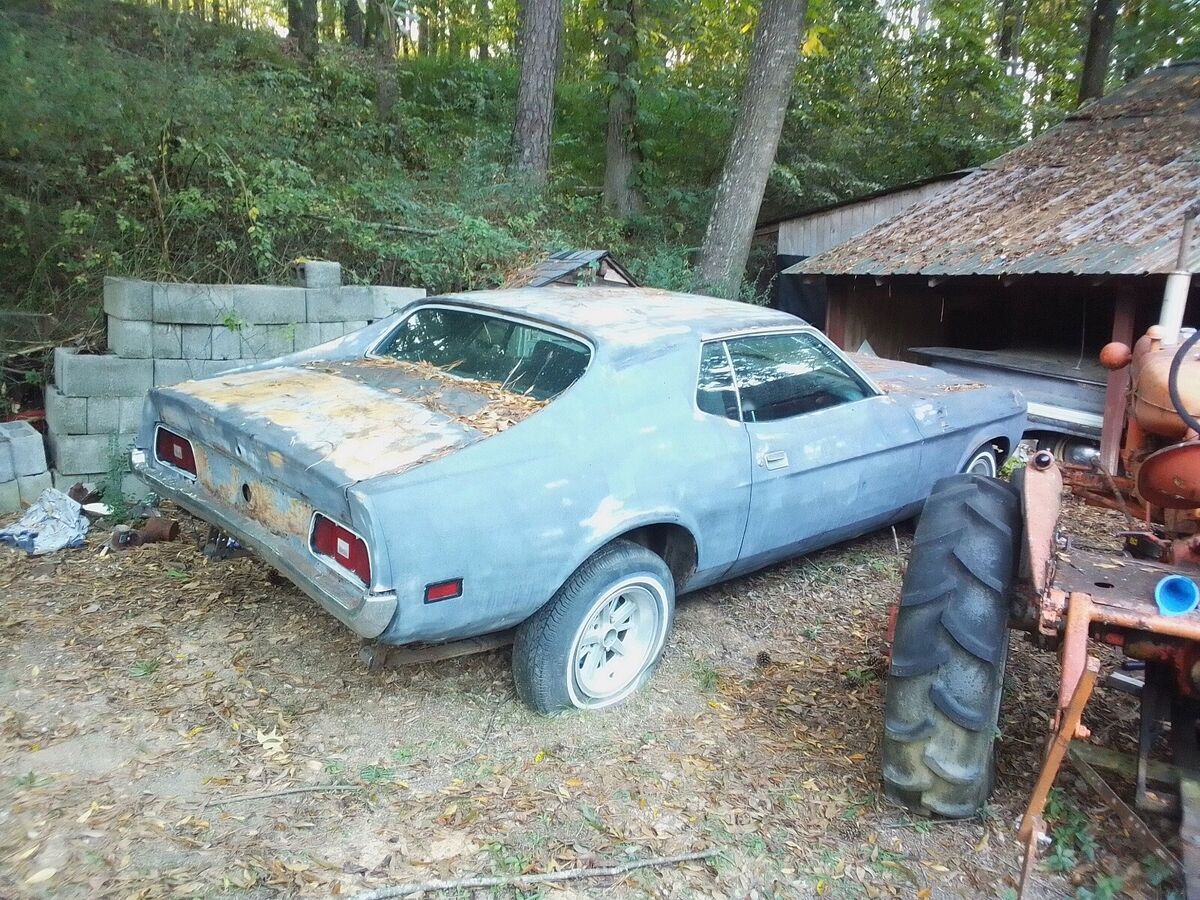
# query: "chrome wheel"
x,y
618,642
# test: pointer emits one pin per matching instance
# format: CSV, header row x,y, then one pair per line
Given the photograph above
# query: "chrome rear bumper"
x,y
366,614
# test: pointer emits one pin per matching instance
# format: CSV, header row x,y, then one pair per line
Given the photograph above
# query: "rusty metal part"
x,y
155,530
377,656
1122,593
1149,397
1041,499
1037,836
83,493
1057,750
1185,748
1138,828
1115,355
1052,612
1170,477
1073,655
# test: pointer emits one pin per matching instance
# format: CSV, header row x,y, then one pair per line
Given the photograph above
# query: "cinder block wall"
x,y
164,333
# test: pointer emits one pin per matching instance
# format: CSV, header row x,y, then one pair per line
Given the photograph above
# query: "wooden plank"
x,y
1117,388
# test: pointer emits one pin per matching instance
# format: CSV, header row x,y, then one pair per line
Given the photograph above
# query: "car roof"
x,y
628,315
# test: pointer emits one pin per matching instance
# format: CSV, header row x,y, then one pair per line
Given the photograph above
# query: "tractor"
x,y
989,556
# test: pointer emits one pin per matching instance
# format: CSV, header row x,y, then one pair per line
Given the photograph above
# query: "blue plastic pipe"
x,y
1176,595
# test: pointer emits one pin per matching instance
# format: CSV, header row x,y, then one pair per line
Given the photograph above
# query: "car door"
x,y
832,456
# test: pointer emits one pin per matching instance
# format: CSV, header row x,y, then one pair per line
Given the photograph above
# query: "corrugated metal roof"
x,y
559,268
1102,193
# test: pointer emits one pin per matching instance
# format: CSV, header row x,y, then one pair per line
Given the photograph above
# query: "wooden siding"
x,y
817,232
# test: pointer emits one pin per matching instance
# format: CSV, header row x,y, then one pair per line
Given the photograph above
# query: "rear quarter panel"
x,y
516,514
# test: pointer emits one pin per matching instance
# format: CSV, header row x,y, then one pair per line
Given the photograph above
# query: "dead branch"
x,y
454,884
311,789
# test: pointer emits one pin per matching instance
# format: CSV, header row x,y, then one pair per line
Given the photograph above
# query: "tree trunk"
x,y
1008,39
623,154
216,12
541,46
352,22
764,100
1098,51
483,13
302,27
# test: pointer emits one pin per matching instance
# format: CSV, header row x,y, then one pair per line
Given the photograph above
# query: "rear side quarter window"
x,y
715,393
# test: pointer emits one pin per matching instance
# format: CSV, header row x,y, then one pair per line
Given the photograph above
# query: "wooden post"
x,y
1118,383
835,310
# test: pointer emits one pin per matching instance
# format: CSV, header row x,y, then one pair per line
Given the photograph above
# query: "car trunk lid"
x,y
320,428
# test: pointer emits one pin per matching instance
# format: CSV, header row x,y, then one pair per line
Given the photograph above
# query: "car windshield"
x,y
521,358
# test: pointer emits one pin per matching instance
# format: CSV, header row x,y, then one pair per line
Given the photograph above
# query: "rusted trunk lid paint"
x,y
319,429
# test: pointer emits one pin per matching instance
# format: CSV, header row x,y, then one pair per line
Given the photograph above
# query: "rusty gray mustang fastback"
x,y
565,461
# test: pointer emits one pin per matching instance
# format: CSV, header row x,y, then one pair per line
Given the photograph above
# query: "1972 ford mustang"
x,y
563,460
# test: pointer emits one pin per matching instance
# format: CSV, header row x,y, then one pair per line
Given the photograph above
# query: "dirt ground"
x,y
148,699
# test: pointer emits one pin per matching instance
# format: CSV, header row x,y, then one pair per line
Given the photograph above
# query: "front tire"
x,y
982,462
601,635
950,648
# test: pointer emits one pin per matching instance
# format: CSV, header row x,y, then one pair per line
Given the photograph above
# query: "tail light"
x,y
340,547
174,451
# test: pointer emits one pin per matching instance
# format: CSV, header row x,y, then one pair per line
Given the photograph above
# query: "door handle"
x,y
774,459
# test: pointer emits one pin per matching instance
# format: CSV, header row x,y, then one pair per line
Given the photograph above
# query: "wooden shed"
x,y
798,236
1019,272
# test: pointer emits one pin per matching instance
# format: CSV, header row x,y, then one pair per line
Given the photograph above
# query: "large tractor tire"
x,y
950,647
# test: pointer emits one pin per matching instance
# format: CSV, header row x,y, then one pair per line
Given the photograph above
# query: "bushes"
x,y
152,145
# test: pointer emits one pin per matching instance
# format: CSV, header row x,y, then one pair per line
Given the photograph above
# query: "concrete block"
x,y
267,341
30,487
226,342
79,454
218,304
66,415
196,341
83,375
340,304
128,298
168,341
10,497
307,334
332,330
63,482
387,299
103,415
173,371
7,472
129,415
319,273
130,338
352,327
25,447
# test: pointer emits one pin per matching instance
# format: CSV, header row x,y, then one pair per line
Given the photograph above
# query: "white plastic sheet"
x,y
54,522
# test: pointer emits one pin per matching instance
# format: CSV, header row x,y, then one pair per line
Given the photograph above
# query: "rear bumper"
x,y
366,614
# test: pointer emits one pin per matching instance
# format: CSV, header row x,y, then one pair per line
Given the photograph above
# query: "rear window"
x,y
521,358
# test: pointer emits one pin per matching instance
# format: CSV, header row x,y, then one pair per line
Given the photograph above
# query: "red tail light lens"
x,y
175,451
342,547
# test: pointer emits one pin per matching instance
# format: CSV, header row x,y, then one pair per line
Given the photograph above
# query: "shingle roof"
x,y
1101,193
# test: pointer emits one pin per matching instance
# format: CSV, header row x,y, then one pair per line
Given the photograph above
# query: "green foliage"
x,y
154,144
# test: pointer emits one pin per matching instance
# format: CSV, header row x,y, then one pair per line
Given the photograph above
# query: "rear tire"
x,y
950,648
600,637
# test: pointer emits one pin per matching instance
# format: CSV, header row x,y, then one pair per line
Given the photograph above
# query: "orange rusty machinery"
x,y
1069,595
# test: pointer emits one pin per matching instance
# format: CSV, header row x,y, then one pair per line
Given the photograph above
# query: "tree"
x,y
1012,23
352,20
622,152
1098,51
756,130
541,44
302,27
483,15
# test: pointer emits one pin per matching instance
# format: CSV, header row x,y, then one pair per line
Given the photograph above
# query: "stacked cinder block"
x,y
165,333
23,474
